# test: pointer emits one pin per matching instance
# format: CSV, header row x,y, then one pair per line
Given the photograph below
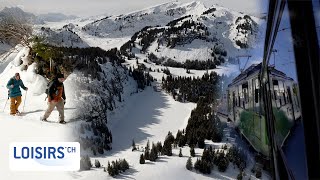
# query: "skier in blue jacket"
x,y
14,85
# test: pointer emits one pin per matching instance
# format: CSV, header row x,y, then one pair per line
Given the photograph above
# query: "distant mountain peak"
x,y
56,17
20,14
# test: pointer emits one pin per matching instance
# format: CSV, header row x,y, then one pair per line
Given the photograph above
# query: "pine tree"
x,y
115,167
179,134
189,164
205,167
182,141
94,151
110,170
192,152
142,161
147,151
85,163
159,148
201,143
223,163
206,156
197,165
167,148
170,138
240,176
100,150
97,163
180,153
133,145
153,153
124,165
148,145
147,154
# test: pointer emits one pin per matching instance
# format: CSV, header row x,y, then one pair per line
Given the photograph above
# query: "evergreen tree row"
x,y
237,157
116,167
191,88
195,64
211,10
219,158
203,124
67,59
158,149
101,139
142,78
172,36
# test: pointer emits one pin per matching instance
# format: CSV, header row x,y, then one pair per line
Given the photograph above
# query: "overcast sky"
x,y
84,8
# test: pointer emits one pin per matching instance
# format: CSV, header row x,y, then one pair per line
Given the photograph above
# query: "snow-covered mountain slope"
x,y
126,25
212,28
4,47
28,127
64,37
149,115
113,31
217,33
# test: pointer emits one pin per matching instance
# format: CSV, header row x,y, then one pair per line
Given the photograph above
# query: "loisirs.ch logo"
x,y
44,156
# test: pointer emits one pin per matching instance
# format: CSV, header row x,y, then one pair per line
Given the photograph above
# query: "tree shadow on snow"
x,y
162,159
150,162
215,174
128,174
141,111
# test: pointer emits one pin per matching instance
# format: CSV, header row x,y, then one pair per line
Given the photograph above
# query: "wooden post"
x,y
50,65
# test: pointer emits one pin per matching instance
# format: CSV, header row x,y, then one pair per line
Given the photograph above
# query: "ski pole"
x,y
5,104
24,103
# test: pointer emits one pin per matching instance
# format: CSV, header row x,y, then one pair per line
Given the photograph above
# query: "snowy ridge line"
x,y
177,4
150,8
134,13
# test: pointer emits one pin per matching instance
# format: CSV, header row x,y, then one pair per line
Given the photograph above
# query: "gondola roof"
x,y
254,68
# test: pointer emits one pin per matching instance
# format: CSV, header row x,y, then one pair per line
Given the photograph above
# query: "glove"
x,y
26,89
12,86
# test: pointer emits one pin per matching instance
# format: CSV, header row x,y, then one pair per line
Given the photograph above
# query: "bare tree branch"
x,y
15,31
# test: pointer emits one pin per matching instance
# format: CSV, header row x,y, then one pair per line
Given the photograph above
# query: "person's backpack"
x,y
49,85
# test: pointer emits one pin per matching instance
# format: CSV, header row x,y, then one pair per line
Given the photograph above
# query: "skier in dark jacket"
x,y
56,98
14,85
